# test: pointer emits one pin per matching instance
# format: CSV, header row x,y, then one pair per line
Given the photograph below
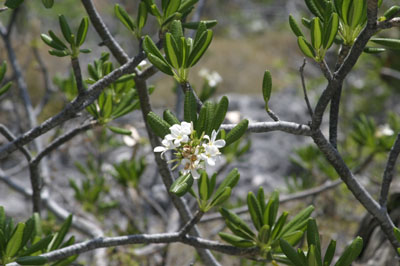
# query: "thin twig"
x,y
303,83
10,137
187,87
284,126
389,172
78,75
104,33
325,70
189,225
46,81
273,115
387,24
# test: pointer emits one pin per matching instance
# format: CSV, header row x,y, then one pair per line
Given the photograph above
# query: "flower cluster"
x,y
191,152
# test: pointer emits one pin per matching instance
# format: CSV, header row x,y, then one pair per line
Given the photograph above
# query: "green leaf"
x,y
190,108
203,186
57,40
200,47
177,32
338,6
220,113
171,51
186,5
305,47
237,241
313,8
162,65
48,3
106,108
331,31
50,42
142,16
346,10
230,181
264,233
297,222
254,210
291,253
28,231
119,130
330,253
5,88
312,256
294,237
200,124
59,53
182,185
351,252
171,18
279,225
316,33
237,132
150,48
59,237
295,27
170,118
172,7
233,218
85,51
124,17
31,260
14,244
221,197
267,87
13,4
42,244
313,238
82,31
356,12
195,25
65,29
158,125
391,12
209,118
389,43
261,199
395,230
2,217
3,70
271,210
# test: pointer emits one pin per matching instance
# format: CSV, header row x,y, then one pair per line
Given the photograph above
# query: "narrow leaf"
x,y
82,31
124,17
305,47
295,27
66,30
182,185
158,125
237,132
236,241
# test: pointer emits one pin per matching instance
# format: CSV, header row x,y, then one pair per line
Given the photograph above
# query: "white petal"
x,y
211,161
219,143
195,174
159,149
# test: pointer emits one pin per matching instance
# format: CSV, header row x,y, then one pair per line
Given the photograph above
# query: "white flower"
x,y
213,78
167,145
211,149
191,165
212,142
180,133
384,130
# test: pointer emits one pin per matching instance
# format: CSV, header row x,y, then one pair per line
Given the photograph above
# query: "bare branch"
x,y
394,22
104,33
332,155
272,115
303,84
187,87
189,225
389,172
78,74
46,81
288,127
325,70
78,104
10,137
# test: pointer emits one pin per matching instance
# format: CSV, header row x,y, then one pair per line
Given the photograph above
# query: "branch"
x,y
104,33
272,115
46,81
78,75
165,172
389,172
78,104
10,137
332,155
303,83
104,242
288,127
394,22
82,225
338,77
189,225
187,87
